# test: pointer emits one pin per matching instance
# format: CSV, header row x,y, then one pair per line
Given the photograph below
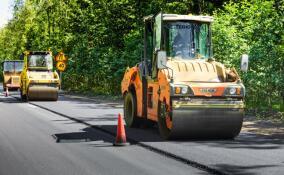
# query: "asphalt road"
x,y
27,145
28,148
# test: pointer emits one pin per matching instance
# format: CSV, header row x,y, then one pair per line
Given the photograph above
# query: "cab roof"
x,y
175,17
13,61
6,61
39,52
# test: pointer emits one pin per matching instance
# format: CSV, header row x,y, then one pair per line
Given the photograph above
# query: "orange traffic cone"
x,y
120,133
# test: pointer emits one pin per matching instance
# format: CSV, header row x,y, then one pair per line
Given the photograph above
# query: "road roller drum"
x,y
203,123
39,92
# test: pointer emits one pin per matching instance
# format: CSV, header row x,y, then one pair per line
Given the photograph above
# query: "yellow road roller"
x,y
11,74
38,79
179,85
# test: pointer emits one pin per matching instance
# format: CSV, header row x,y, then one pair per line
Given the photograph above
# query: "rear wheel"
x,y
164,120
130,110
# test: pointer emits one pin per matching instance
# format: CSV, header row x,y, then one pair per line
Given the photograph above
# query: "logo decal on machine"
x,y
208,90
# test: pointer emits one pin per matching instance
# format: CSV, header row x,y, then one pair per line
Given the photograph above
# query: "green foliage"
x,y
100,37
254,27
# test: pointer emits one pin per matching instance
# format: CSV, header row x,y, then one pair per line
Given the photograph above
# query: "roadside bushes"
x,y
256,28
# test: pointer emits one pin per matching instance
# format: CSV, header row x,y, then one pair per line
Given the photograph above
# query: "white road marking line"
x,y
32,106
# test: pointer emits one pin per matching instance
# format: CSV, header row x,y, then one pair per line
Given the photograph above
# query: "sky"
x,y
5,12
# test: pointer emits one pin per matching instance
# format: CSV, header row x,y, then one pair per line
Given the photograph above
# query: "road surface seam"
x,y
133,141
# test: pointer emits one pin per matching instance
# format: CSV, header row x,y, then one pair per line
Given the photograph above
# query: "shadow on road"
x,y
94,134
241,170
243,141
9,99
98,139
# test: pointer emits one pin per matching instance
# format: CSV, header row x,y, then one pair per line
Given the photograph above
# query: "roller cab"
x,y
179,85
11,74
38,80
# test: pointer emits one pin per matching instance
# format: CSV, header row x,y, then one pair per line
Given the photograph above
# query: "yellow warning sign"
x,y
61,66
60,57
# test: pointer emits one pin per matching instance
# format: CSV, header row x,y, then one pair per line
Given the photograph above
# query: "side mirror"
x,y
244,63
162,59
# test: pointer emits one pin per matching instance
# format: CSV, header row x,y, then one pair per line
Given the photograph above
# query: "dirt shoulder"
x,y
266,127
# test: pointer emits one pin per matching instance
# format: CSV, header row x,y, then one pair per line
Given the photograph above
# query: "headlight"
x,y
184,90
232,91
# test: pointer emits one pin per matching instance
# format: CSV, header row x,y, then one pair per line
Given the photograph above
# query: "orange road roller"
x,y
179,85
